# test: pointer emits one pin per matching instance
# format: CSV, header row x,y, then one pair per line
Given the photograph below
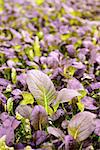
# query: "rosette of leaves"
x,y
45,94
42,89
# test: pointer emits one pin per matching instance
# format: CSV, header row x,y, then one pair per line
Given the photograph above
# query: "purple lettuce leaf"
x,y
97,128
89,103
39,137
68,140
24,110
39,117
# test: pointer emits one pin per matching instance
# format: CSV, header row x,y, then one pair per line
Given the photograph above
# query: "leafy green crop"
x,y
27,98
42,89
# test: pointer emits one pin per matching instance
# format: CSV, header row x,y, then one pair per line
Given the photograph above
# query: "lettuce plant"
x,y
42,89
45,94
49,74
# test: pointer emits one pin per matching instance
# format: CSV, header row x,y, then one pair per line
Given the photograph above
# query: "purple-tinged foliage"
x,y
38,117
7,127
82,125
74,84
97,128
24,110
68,140
89,103
58,42
39,137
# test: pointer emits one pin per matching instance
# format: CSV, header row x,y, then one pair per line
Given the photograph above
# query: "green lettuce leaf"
x,y
27,98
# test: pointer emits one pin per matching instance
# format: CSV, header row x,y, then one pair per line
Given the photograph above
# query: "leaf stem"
x,y
40,128
81,146
46,104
